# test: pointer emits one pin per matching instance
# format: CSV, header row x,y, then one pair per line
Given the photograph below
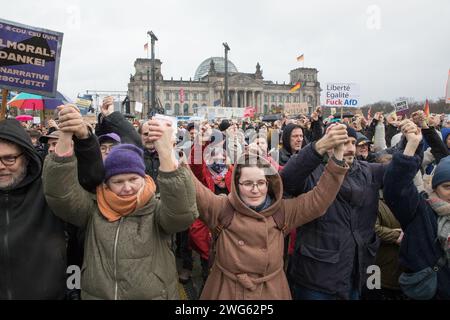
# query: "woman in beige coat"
x,y
249,251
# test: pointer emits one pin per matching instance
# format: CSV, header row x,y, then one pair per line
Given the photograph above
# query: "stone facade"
x,y
245,89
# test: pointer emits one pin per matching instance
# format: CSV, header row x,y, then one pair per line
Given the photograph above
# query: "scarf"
x,y
442,208
266,203
218,172
113,207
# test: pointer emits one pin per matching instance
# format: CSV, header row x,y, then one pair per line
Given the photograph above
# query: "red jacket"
x,y
199,234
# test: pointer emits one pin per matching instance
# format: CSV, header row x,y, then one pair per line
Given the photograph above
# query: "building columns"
x,y
253,99
245,98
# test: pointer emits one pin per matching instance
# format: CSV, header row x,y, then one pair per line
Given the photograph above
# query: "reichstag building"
x,y
206,88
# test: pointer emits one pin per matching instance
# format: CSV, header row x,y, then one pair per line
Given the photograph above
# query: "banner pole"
x,y
4,97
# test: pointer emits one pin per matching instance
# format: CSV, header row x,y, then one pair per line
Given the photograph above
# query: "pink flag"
x,y
249,112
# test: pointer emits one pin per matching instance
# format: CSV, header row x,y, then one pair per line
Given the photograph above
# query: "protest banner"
x,y
401,105
29,58
342,95
296,108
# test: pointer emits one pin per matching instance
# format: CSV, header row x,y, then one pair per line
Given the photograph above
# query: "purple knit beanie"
x,y
124,158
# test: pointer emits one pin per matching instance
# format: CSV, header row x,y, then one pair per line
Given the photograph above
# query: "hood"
x,y
445,133
286,137
275,185
11,130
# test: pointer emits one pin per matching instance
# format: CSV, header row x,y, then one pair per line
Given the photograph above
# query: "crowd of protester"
x,y
299,208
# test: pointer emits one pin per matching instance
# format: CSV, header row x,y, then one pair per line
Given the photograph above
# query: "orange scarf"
x,y
113,207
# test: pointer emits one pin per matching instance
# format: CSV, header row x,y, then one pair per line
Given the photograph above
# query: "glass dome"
x,y
219,66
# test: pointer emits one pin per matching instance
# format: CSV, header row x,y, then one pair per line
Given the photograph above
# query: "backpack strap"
x,y
280,220
224,222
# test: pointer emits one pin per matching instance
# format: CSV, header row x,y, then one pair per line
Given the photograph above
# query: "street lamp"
x,y
227,48
153,105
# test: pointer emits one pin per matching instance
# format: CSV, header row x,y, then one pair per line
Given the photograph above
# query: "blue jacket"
x,y
332,253
420,247
445,132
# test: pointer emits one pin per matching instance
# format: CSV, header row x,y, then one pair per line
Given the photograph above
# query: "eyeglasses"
x,y
105,147
10,160
248,185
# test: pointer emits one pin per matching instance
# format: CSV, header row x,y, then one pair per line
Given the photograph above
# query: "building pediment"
x,y
241,80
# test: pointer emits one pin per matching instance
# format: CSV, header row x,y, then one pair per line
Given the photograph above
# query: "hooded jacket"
x,y
129,258
286,151
32,242
249,252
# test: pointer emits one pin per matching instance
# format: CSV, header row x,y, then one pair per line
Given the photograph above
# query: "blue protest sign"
x,y
29,58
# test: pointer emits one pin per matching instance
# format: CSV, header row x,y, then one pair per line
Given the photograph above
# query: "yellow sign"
x,y
83,103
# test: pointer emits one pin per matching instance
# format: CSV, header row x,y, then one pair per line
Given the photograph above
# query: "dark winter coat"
x,y
32,241
332,253
420,248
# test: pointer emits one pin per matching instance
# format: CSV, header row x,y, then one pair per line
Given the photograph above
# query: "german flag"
x,y
295,88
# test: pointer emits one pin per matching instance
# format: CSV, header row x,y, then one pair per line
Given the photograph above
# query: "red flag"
x,y
426,109
181,95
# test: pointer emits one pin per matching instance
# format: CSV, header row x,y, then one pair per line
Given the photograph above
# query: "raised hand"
x,y
419,119
434,120
392,120
107,106
411,131
413,134
335,135
161,134
71,121
52,124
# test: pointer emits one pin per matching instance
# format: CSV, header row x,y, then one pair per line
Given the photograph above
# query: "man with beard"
x,y
32,242
332,253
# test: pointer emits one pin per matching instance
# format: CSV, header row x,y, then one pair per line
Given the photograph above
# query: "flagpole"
x,y
4,97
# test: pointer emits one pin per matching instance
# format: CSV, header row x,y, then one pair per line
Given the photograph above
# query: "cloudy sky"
x,y
391,48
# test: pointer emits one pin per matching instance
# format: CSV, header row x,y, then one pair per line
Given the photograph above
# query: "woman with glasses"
x,y
249,250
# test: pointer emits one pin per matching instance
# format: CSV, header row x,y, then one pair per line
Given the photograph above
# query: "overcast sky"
x,y
391,48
